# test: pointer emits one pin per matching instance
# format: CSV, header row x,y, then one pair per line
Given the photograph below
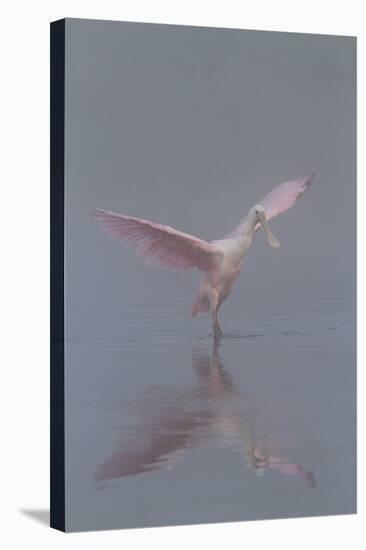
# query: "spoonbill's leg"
x,y
214,298
216,325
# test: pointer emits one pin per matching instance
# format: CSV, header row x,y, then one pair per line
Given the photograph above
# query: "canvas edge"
x,y
57,163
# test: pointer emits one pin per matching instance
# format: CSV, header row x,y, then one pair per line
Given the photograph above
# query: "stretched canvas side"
x,y
57,72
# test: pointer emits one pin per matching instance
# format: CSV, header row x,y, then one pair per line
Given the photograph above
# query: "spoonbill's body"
x,y
221,261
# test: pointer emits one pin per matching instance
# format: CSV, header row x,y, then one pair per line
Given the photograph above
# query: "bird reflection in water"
x,y
260,458
185,419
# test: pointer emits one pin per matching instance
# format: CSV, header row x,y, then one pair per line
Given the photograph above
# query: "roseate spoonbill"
x,y
221,260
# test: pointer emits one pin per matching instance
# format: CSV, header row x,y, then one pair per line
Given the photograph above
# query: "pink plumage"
x,y
280,199
284,196
159,245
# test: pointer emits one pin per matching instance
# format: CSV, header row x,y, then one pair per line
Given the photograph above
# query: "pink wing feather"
x,y
159,245
280,199
284,196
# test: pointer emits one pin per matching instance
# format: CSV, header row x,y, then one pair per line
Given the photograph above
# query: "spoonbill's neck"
x,y
248,227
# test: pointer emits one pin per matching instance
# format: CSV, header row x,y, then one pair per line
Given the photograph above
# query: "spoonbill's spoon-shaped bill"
x,y
272,240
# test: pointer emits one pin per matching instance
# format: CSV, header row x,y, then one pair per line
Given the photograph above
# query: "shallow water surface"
x,y
167,427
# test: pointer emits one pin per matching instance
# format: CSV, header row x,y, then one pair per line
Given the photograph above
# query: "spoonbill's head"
x,y
260,216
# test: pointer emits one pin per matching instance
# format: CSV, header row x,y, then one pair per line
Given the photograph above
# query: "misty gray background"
x,y
190,127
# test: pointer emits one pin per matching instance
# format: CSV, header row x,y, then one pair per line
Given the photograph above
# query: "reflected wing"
x,y
154,447
284,196
294,470
160,245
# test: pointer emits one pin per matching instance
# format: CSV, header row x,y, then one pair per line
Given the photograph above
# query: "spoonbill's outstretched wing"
x,y
280,199
160,245
284,196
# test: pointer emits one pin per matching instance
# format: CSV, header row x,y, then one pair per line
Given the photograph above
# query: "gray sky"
x,y
192,126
